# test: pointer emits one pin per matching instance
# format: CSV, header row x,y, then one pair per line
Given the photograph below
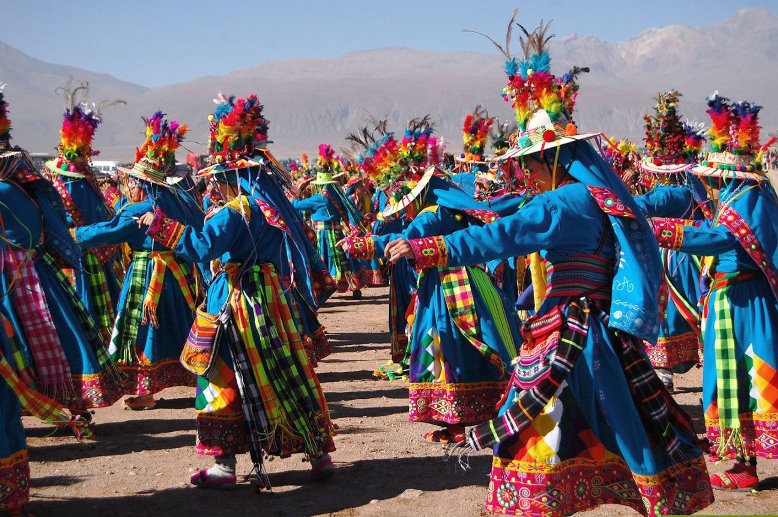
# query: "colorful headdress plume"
x,y
327,165
5,122
475,133
237,128
543,104
664,133
694,137
156,157
734,140
79,124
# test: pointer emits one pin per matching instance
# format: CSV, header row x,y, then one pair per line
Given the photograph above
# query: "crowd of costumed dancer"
x,y
545,287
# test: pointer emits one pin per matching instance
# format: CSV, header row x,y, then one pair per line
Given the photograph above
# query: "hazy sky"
x,y
169,41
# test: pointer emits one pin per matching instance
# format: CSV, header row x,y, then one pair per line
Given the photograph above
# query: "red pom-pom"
x,y
549,136
657,162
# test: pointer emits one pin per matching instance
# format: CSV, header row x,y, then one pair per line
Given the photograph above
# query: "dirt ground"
x,y
140,462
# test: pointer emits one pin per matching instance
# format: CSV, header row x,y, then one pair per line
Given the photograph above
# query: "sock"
x,y
223,467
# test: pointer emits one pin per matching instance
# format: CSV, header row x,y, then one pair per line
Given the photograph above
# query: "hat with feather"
x,y
155,159
238,138
671,145
409,165
543,103
475,134
77,132
733,136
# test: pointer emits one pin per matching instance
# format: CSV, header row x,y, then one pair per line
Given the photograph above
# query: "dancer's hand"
x,y
398,249
146,219
342,244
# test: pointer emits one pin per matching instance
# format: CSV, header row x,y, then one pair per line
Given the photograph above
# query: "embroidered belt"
x,y
580,275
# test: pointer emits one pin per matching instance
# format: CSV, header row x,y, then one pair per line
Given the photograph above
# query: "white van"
x,y
105,168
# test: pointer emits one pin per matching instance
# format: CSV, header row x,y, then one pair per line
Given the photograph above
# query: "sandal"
x,y
740,478
323,468
444,436
139,403
201,479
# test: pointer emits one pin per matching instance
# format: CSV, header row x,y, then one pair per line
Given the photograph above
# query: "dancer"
x,y
740,314
59,340
585,412
96,280
261,381
160,291
333,215
461,338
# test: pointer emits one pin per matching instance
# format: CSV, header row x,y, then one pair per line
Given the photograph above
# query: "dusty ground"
x,y
141,461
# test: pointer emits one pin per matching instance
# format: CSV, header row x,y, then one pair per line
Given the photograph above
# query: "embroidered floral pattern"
x,y
669,232
165,230
360,247
609,202
429,252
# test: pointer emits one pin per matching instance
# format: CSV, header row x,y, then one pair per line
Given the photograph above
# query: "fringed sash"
x,y
53,374
460,303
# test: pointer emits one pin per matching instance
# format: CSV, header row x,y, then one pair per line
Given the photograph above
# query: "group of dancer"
x,y
542,296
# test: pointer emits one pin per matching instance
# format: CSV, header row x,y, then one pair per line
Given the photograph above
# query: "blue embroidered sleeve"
x,y
309,204
216,238
121,228
536,226
708,240
666,201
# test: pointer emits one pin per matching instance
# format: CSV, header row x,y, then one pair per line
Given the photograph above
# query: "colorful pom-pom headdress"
x,y
327,165
403,169
475,134
670,143
238,138
155,159
734,141
79,124
543,103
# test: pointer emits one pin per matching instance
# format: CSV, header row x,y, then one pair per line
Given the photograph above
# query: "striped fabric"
x,y
726,365
655,406
98,285
38,405
285,402
142,301
580,274
53,374
460,303
125,332
87,324
530,403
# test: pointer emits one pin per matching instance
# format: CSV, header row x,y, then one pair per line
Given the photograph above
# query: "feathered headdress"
x,y
156,157
734,140
665,135
475,132
237,128
543,104
671,145
621,155
5,122
694,136
79,124
327,165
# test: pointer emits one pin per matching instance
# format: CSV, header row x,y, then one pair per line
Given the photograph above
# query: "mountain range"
x,y
320,101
